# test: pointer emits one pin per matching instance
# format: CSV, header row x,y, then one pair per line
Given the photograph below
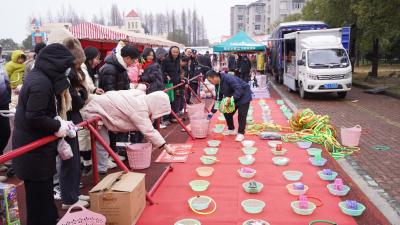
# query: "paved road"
x,y
379,117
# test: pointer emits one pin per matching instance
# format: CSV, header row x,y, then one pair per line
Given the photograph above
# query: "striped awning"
x,y
87,30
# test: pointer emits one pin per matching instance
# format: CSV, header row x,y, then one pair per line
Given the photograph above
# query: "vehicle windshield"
x,y
328,58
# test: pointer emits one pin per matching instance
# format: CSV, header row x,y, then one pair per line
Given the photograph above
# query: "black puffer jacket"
x,y
245,65
154,77
36,110
232,63
113,76
171,68
5,89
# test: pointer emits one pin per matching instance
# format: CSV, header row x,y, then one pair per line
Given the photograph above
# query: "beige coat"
x,y
130,110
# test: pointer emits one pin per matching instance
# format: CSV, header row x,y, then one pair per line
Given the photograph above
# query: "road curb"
x,y
387,93
372,194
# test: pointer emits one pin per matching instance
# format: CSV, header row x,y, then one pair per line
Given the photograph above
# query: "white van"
x,y
316,61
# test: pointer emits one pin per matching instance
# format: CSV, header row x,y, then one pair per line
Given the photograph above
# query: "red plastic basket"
x,y
82,217
199,128
196,111
139,155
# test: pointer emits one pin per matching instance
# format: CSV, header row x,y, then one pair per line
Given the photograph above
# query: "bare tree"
x,y
102,19
173,21
61,15
190,30
49,17
183,18
195,27
115,16
151,23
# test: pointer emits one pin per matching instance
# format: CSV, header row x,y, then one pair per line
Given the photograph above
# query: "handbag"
x,y
64,149
170,93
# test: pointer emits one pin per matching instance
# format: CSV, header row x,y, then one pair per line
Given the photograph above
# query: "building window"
x,y
257,27
240,17
269,20
240,26
269,9
129,25
259,9
283,5
258,18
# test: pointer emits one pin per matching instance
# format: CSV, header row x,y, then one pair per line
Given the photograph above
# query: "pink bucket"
x,y
350,136
82,217
196,111
139,155
199,128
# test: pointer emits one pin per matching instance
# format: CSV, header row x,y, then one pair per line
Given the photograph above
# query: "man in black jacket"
x,y
34,119
244,66
113,75
171,69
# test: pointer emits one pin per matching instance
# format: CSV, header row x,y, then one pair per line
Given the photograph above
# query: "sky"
x,y
14,14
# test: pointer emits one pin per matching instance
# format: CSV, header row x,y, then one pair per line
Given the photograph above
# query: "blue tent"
x,y
241,42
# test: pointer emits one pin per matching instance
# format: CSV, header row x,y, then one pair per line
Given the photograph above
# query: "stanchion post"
x,y
95,167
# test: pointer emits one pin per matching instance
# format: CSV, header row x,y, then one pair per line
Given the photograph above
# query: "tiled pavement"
x,y
379,117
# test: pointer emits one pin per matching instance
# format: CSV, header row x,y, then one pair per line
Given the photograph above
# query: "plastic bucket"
x,y
199,128
139,155
195,109
350,136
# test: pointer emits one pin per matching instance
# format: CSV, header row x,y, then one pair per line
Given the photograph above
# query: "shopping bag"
x,y
170,93
84,216
64,149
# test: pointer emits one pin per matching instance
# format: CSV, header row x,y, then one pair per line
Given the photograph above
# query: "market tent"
x,y
241,42
96,32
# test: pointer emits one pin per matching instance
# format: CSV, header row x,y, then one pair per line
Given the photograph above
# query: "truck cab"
x,y
315,61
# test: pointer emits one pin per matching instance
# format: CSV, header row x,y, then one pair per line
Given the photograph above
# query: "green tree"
x,y
379,20
178,36
8,44
27,43
293,17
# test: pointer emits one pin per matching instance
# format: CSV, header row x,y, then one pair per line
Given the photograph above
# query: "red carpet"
x,y
226,185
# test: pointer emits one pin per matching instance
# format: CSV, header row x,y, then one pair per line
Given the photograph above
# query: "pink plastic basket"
x,y
196,111
199,128
139,155
82,217
350,136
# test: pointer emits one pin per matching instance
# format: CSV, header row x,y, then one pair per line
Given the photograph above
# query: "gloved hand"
x,y
213,110
210,115
67,128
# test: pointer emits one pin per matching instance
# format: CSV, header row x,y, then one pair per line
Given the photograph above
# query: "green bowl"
x,y
199,202
303,212
352,212
188,222
292,175
342,192
314,151
249,150
257,189
208,160
199,185
247,175
278,153
211,151
327,177
253,206
246,161
213,143
280,161
280,102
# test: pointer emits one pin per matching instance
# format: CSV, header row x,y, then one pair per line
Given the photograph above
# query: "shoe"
x,y
87,170
229,132
163,126
87,162
3,178
80,185
111,164
173,120
84,198
239,137
84,204
57,192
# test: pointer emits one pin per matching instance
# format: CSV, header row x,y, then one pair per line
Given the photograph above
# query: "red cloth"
x,y
147,64
226,185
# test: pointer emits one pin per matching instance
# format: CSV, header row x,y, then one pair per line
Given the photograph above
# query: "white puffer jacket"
x,y
130,110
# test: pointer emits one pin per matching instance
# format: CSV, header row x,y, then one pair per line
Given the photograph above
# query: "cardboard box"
x,y
121,198
9,212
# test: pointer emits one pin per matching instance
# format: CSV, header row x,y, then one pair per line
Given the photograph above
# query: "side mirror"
x,y
300,62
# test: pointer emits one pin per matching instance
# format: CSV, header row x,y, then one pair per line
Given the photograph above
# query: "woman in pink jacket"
x,y
131,110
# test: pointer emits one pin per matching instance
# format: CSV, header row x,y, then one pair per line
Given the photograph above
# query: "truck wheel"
x,y
342,94
303,93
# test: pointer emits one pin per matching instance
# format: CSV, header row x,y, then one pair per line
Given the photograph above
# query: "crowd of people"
x,y
61,84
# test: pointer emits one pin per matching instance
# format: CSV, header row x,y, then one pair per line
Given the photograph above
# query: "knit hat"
x,y
161,52
74,46
58,36
91,52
